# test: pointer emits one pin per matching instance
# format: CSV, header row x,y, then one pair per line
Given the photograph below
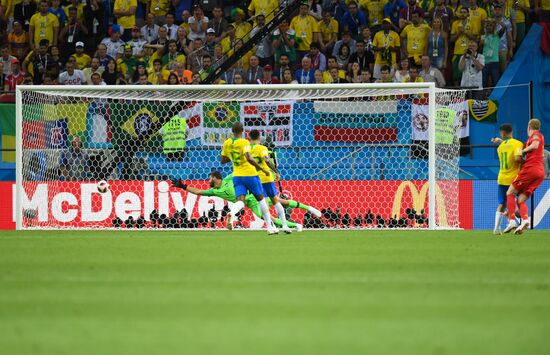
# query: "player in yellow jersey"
x,y
245,176
260,153
510,156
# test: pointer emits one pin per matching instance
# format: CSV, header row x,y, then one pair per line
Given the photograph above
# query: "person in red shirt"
x,y
15,78
529,178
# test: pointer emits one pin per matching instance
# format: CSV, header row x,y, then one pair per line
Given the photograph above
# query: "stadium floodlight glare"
x,y
368,155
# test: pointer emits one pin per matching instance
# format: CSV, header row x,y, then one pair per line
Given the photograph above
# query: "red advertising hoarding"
x,y
79,205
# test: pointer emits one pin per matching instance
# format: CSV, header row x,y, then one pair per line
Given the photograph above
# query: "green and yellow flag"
x,y
483,110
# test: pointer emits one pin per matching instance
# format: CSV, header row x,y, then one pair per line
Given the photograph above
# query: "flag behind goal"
x,y
349,151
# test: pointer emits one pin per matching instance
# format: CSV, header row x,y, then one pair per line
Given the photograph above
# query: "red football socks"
x,y
511,205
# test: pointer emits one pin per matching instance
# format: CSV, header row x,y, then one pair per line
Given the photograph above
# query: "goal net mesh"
x,y
358,155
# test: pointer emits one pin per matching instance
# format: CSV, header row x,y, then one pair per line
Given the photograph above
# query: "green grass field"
x,y
394,292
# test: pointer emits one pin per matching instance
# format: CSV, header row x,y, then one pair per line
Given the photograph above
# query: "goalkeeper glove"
x,y
179,184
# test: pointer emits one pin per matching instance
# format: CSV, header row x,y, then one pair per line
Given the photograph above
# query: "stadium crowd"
x,y
459,43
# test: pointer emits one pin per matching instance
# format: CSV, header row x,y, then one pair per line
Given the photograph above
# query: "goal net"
x,y
365,156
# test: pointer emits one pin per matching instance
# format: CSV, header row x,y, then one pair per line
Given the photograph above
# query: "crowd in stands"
x,y
458,43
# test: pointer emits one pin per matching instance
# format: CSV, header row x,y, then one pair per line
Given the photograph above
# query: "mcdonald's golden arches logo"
x,y
419,200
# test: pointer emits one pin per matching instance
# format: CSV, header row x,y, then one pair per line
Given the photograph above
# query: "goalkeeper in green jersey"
x,y
223,188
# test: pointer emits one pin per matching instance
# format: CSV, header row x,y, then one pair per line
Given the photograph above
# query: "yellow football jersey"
x,y
259,153
508,150
235,149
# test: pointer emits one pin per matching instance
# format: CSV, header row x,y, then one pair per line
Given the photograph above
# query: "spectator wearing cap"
x,y
284,40
6,58
318,59
159,9
406,14
354,19
18,41
328,32
72,76
386,44
23,12
264,48
125,14
218,23
392,10
198,24
305,27
15,78
416,36
82,59
242,28
94,15
113,42
346,39
43,25
210,43
74,31
305,75
137,44
254,71
171,27
149,32
58,11
268,77
94,68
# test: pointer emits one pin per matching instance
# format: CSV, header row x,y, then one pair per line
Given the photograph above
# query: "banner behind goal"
x,y
367,156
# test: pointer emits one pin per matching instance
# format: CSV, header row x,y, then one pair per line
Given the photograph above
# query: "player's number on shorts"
x,y
235,158
504,160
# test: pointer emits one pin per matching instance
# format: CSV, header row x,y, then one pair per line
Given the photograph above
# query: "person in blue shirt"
x,y
392,8
306,74
354,20
58,11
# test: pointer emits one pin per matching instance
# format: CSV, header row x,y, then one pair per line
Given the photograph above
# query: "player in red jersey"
x,y
529,178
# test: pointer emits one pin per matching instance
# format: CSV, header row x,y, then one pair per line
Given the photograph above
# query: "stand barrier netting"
x,y
366,156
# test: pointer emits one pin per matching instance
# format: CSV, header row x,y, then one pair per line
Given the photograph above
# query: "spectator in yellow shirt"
x,y
416,35
328,32
478,16
266,7
43,25
386,44
158,75
306,30
125,14
461,34
375,9
82,59
159,8
79,9
242,28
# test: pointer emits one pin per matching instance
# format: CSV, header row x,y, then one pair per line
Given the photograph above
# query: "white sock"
x,y
498,219
265,213
281,214
236,208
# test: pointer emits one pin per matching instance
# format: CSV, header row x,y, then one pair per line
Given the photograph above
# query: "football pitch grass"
x,y
316,292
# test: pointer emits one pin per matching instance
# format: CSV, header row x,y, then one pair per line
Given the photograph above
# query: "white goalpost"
x,y
366,155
